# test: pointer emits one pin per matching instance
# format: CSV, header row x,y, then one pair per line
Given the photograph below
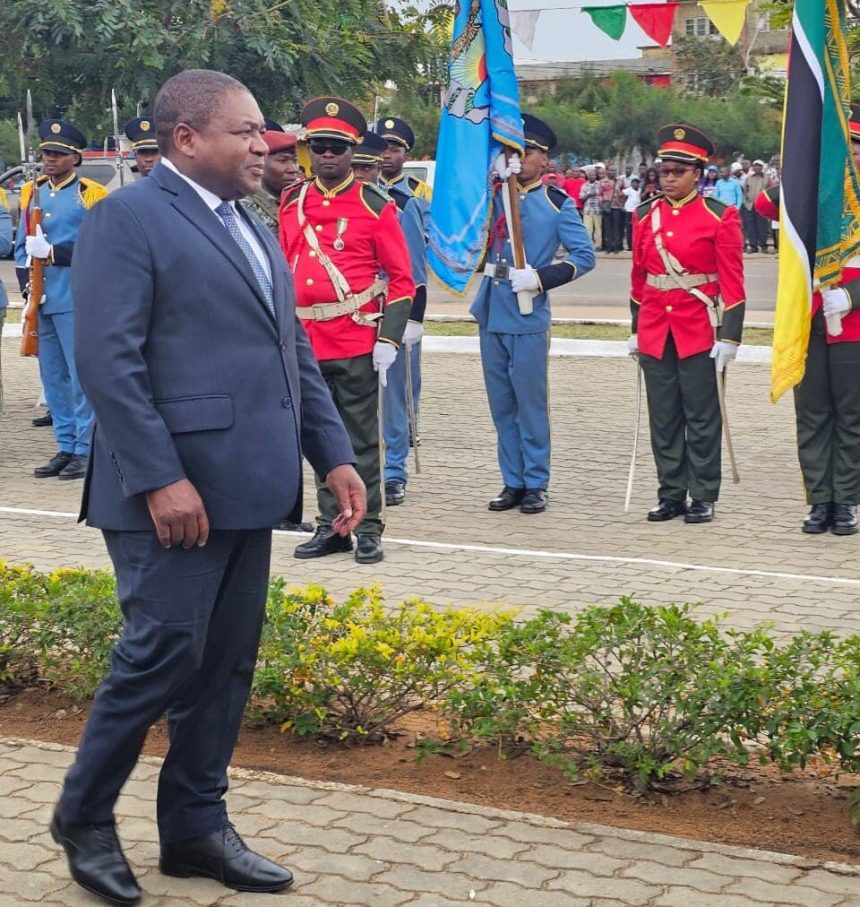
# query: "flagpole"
x,y
511,200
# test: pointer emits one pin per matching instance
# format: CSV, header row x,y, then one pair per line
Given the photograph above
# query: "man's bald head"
x,y
190,97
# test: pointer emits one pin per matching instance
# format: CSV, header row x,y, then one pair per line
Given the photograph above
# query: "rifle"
x,y
35,287
116,145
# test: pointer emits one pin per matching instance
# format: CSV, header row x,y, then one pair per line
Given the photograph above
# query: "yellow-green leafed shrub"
x,y
349,670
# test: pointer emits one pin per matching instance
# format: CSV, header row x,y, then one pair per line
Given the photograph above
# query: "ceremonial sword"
x,y
638,421
410,407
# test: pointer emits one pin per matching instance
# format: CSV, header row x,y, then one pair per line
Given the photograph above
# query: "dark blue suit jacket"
x,y
187,372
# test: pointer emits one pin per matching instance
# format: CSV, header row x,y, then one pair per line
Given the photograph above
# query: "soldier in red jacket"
x,y
339,236
687,301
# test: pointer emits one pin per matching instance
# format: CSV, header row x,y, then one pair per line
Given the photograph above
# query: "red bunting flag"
x,y
655,19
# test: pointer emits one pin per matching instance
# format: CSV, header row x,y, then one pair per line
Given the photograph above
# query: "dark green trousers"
x,y
353,384
827,408
686,427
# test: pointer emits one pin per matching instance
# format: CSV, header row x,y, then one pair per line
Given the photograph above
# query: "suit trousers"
x,y
396,413
192,622
686,426
516,378
827,410
354,388
73,418
593,221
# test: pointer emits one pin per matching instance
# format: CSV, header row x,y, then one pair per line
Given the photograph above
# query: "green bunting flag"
x,y
609,19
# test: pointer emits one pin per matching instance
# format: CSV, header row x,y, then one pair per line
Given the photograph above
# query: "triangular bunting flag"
x,y
523,24
655,19
728,15
609,19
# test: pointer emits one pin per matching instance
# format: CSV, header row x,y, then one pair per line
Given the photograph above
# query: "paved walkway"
x,y
353,846
378,848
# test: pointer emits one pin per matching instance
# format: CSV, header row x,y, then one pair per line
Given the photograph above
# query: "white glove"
x,y
524,279
633,344
835,301
503,168
723,353
413,334
37,246
384,355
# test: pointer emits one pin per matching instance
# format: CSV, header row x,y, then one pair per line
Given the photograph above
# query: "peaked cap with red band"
x,y
854,122
683,143
333,118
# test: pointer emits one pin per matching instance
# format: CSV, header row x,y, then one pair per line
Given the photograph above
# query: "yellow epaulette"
x,y
4,201
91,192
27,190
420,188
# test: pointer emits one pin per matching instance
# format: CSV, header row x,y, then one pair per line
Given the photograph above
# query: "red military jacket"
x,y
767,205
358,228
704,235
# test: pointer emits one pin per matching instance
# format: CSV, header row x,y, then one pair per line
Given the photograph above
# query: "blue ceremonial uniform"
x,y
64,208
414,210
514,347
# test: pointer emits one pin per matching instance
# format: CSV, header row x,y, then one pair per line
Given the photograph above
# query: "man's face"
x,y
724,173
281,171
758,169
331,160
366,173
146,161
393,159
533,164
634,183
745,165
677,180
628,169
228,155
643,171
58,165
611,173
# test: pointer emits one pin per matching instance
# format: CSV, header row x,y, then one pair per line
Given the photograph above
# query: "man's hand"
x,y
351,496
723,353
524,280
413,334
179,516
37,246
384,355
504,167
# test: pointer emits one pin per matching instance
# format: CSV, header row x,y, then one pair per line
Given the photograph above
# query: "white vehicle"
x,y
424,170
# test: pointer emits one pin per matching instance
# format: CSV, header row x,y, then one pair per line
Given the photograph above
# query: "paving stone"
x,y
447,883
311,861
287,793
521,872
440,818
293,899
333,890
10,784
424,856
596,863
585,885
539,834
282,809
494,844
401,829
756,869
336,840
31,886
688,897
356,803
788,894
42,792
659,874
830,881
187,891
506,895
25,857
628,850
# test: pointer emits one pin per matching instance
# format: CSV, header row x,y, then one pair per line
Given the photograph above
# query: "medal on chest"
x,y
338,245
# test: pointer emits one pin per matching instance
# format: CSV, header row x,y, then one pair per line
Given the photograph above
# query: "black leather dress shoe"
x,y
43,421
76,468
96,860
534,500
395,493
225,857
666,510
699,512
54,466
819,519
290,526
324,542
844,519
368,549
508,499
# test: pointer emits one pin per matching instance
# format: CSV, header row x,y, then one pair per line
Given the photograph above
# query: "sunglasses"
x,y
674,171
336,147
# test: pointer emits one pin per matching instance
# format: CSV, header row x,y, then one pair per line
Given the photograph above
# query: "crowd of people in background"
x,y
606,199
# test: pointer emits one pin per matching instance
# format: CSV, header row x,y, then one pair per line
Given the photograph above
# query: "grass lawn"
x,y
752,336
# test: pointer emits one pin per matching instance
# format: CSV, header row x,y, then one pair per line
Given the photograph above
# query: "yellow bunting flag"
x,y
728,15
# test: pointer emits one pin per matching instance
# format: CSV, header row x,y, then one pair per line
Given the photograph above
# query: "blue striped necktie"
x,y
227,214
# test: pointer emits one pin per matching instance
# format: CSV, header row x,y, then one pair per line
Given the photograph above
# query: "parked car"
x,y
424,170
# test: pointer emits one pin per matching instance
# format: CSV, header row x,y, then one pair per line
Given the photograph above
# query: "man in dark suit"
x,y
206,394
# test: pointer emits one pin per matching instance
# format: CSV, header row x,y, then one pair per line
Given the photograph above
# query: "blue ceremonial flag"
x,y
480,116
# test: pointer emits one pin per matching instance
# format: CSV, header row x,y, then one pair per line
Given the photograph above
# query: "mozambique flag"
x,y
480,116
820,205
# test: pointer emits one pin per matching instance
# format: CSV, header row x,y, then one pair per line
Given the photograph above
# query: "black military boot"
x,y
666,510
534,500
844,519
54,466
699,511
508,499
819,518
323,543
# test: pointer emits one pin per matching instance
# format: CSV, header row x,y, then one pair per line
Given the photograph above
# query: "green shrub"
x,y
350,670
20,589
630,689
